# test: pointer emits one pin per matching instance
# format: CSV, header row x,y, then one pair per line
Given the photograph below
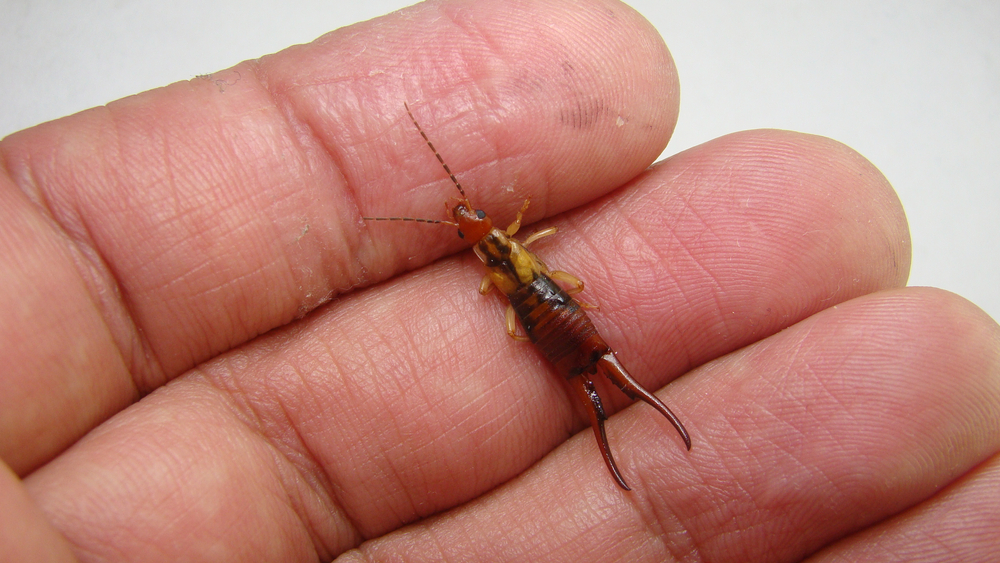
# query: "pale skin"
x,y
179,384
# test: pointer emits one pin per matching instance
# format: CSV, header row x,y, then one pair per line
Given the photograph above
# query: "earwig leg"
x,y
539,234
617,374
513,227
575,282
569,279
512,326
592,402
486,285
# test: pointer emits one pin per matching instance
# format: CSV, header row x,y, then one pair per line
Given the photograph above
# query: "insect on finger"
x,y
552,319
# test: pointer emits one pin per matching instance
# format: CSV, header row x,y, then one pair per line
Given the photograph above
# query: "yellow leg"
x,y
486,285
512,326
513,227
539,234
575,283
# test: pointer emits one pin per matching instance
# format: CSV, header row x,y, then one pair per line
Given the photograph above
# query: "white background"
x,y
912,85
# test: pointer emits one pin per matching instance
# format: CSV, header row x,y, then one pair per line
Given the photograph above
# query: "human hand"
x,y
148,247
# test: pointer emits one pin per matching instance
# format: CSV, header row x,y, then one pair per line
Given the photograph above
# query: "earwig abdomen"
x,y
560,328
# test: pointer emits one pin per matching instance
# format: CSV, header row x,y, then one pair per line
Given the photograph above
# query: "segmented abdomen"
x,y
556,324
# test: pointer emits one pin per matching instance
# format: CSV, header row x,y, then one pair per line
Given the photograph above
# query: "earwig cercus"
x,y
552,319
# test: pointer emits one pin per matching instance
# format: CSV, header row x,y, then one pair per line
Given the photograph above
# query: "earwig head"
x,y
473,224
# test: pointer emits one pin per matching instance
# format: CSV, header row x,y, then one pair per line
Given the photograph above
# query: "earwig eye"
x,y
461,234
480,213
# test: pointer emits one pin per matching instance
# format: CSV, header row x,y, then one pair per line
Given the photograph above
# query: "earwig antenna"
x,y
414,219
454,180
438,155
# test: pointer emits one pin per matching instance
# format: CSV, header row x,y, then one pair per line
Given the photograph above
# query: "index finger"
x,y
153,233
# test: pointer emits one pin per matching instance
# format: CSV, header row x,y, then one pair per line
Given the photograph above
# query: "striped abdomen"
x,y
556,324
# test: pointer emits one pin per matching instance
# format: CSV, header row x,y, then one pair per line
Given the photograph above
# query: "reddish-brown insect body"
x,y
555,322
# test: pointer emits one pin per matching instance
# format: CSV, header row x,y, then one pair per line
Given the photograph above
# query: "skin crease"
x,y
209,356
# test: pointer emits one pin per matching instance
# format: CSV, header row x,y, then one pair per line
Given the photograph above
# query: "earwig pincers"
x,y
552,319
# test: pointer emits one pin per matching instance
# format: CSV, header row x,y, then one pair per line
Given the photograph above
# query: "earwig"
x,y
552,320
